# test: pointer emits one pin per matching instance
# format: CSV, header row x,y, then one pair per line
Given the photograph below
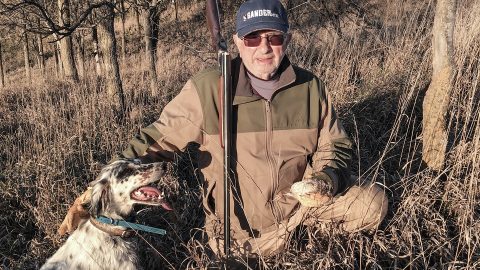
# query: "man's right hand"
x,y
76,213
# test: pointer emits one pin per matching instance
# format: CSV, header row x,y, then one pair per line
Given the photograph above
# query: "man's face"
x,y
262,60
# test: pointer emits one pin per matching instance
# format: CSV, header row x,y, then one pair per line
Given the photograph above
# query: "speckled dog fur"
x,y
90,248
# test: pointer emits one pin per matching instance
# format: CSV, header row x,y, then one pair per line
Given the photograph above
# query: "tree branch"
x,y
32,6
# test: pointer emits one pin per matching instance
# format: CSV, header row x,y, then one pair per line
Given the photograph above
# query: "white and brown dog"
x,y
95,245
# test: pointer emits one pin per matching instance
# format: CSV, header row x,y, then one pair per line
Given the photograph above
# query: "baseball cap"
x,y
254,15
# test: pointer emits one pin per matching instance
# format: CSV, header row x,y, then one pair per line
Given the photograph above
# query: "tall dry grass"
x,y
55,136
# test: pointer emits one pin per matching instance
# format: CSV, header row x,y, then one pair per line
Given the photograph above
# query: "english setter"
x,y
95,245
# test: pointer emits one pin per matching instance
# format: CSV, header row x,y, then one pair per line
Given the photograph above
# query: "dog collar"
x,y
131,227
125,233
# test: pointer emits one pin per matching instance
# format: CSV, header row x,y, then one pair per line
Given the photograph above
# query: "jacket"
x,y
274,143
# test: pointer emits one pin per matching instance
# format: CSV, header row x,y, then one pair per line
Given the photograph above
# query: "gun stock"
x,y
213,22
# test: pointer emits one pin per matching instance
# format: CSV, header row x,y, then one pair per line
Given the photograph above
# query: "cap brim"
x,y
274,26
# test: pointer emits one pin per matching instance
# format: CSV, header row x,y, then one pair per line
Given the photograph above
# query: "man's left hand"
x,y
314,191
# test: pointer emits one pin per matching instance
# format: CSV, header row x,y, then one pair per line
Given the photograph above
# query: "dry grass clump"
x,y
55,136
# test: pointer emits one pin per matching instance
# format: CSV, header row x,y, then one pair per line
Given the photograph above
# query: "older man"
x,y
285,132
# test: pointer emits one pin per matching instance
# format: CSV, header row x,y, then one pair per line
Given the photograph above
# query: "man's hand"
x,y
313,191
76,213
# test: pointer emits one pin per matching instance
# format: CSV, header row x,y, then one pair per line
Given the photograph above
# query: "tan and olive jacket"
x,y
274,143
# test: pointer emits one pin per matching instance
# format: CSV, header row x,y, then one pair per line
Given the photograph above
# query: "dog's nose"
x,y
137,161
164,166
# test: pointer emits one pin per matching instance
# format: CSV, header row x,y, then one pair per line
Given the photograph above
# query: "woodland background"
x,y
77,82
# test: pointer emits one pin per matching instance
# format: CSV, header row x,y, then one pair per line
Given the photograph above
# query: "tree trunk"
x,y
41,56
122,26
96,51
151,19
66,46
437,98
58,61
175,2
2,72
80,53
137,18
108,46
26,53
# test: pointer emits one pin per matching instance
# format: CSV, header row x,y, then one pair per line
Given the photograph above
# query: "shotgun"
x,y
225,97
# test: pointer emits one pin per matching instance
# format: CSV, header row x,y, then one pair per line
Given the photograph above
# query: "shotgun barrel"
x,y
224,60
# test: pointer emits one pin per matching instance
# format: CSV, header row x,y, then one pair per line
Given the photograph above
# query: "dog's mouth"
x,y
150,195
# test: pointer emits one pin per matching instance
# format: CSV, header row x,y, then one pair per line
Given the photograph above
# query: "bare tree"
x,y
108,45
151,20
26,55
66,46
136,9
175,3
96,51
58,61
80,53
21,12
123,42
437,98
2,72
63,30
41,56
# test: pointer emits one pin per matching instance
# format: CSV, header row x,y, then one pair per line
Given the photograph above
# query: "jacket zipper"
x,y
270,158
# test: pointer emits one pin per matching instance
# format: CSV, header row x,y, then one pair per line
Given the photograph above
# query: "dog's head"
x,y
124,183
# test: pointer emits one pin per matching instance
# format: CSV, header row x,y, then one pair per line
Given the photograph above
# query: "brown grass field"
x,y
55,136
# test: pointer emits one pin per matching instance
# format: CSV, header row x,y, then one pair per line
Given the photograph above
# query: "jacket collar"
x,y
241,83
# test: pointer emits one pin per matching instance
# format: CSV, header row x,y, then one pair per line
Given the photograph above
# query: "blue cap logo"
x,y
259,13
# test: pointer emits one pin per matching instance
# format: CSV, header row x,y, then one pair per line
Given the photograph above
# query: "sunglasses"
x,y
255,40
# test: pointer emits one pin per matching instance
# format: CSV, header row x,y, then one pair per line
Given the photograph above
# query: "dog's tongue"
x,y
166,206
149,193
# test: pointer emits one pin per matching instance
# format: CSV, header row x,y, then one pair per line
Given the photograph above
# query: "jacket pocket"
x,y
291,171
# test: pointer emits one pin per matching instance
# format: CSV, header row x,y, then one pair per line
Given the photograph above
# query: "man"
x,y
285,131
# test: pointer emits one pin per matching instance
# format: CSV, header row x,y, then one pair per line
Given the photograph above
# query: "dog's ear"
x,y
100,196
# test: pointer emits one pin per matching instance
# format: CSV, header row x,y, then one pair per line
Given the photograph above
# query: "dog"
x,y
94,245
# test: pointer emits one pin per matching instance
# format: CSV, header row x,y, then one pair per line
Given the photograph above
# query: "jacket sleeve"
x,y
334,149
179,124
